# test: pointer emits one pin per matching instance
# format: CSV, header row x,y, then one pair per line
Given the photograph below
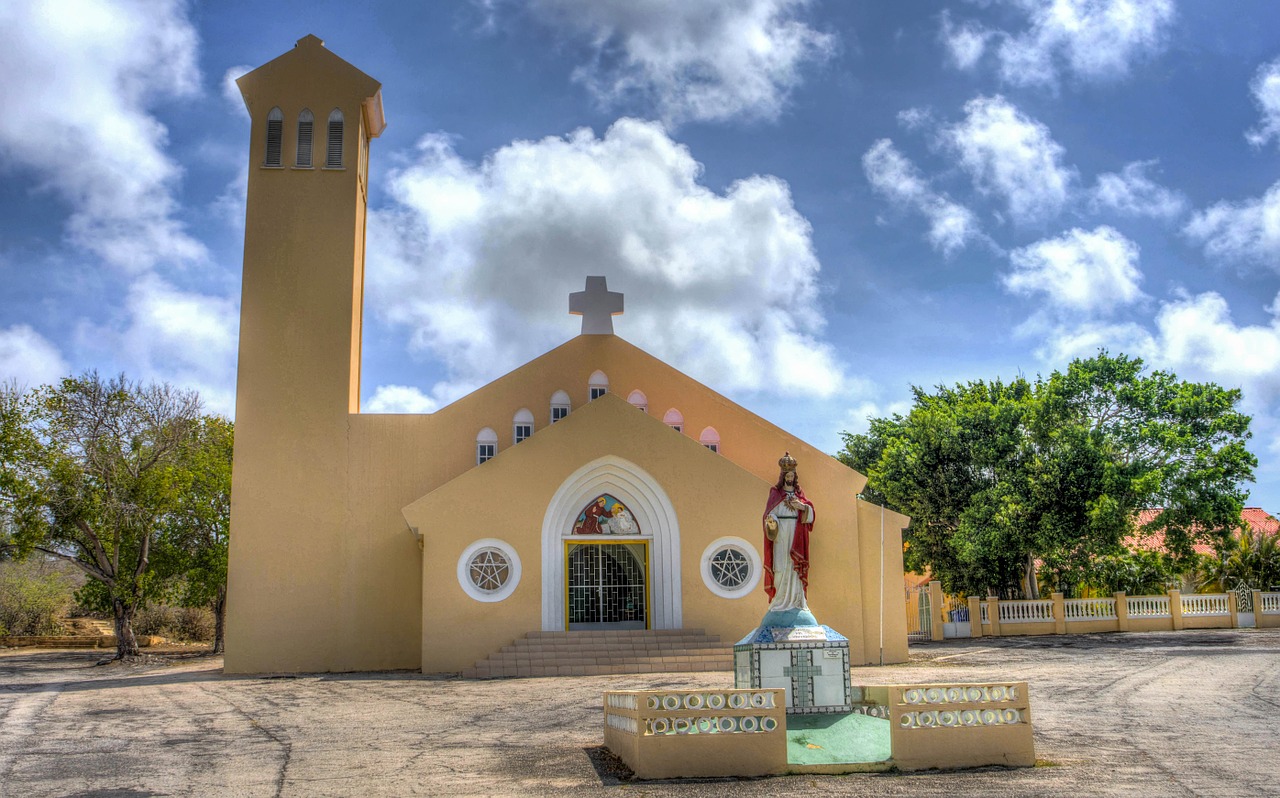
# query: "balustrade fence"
x,y
1119,613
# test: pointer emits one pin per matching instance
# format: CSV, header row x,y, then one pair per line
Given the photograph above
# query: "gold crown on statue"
x,y
787,463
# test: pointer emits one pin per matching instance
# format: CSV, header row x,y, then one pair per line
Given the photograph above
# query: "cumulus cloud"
x,y
702,60
1198,332
1132,193
1081,271
1091,40
1194,336
1240,232
29,359
892,174
76,93
400,399
1013,157
477,260
1266,93
231,92
965,42
183,337
1082,338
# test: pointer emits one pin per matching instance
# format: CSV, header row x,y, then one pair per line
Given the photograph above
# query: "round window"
x,y
489,570
731,567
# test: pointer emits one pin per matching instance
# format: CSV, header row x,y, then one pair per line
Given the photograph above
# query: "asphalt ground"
x,y
1186,713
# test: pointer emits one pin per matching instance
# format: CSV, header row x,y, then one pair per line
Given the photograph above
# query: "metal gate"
x,y
607,585
919,614
1244,597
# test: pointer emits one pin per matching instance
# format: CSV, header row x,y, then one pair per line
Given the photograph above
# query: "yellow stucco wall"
x,y
325,574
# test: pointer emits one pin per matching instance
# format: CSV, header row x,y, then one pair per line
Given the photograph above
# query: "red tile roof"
x,y
1256,518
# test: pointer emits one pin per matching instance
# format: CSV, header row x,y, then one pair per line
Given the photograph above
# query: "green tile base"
x,y
837,743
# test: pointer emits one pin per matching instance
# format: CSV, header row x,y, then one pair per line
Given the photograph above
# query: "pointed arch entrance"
x,y
656,546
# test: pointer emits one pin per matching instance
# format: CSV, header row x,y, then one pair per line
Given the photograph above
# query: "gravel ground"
x,y
1188,713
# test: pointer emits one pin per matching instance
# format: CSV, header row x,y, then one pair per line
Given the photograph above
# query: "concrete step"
x,y
594,653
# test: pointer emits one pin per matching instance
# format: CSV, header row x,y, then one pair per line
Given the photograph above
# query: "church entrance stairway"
x,y
596,653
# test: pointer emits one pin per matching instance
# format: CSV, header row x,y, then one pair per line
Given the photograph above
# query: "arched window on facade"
x,y
710,439
486,445
598,383
560,406
638,399
306,127
275,138
522,425
672,418
333,153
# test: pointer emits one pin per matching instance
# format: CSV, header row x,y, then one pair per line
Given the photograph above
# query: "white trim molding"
x,y
654,514
753,558
513,565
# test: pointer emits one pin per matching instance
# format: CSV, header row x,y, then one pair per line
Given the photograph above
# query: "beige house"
x,y
593,488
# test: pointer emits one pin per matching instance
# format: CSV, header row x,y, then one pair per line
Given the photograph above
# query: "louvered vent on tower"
x,y
333,159
306,121
275,137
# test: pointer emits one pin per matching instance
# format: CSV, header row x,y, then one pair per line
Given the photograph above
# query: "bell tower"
x,y
313,116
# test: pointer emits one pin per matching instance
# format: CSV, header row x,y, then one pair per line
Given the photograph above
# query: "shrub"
x,y
34,597
194,624
155,619
188,624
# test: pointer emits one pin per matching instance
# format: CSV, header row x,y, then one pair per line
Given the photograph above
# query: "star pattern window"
x,y
489,570
730,567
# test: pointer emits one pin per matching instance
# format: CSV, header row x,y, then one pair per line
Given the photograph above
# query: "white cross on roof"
x,y
597,306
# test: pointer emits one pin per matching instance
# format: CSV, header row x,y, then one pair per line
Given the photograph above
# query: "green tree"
x,y
1137,573
999,476
195,533
90,475
1250,557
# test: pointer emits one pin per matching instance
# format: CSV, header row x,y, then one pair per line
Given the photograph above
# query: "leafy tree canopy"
x,y
91,471
996,475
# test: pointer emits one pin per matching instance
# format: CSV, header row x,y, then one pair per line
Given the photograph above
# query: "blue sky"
x,y
810,206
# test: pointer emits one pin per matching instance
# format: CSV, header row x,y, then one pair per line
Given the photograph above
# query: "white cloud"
x,y
1198,333
965,42
1266,93
1012,156
400,399
916,118
478,259
1082,339
1079,271
1195,337
707,60
856,419
29,359
182,337
76,89
1093,40
1244,232
951,225
1133,193
231,92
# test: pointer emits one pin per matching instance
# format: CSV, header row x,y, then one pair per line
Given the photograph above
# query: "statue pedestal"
x,y
810,662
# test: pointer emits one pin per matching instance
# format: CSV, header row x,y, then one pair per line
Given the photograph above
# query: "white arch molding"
x,y
648,502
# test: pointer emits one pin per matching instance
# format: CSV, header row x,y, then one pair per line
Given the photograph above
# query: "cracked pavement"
x,y
1186,713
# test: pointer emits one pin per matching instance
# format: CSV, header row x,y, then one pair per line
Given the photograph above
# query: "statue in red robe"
x,y
788,521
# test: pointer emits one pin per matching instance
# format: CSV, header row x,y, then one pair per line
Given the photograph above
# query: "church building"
x,y
593,488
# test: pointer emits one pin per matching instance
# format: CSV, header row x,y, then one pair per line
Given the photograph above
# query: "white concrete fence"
x,y
1173,611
